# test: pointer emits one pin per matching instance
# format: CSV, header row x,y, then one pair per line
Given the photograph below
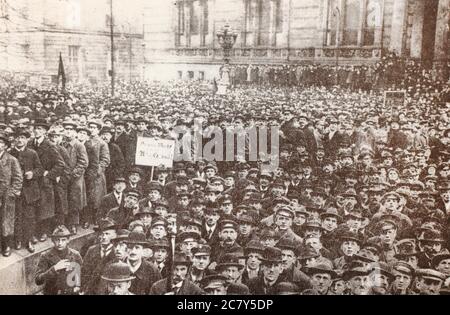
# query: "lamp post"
x,y
226,38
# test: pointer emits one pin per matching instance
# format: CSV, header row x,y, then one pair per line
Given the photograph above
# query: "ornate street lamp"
x,y
227,38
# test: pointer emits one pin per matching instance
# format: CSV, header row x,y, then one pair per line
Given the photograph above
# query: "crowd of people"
x,y
359,203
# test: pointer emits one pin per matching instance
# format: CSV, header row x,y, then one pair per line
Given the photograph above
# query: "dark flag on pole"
x,y
61,73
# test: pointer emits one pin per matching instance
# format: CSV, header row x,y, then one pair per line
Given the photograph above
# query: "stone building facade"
x,y
34,33
180,36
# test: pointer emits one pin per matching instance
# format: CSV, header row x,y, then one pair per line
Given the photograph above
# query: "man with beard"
x,y
145,273
124,214
430,244
201,257
228,232
381,278
271,267
178,284
118,278
98,256
429,281
56,265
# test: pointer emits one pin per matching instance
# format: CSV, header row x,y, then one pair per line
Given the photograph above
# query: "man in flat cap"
x,y
145,273
58,265
77,164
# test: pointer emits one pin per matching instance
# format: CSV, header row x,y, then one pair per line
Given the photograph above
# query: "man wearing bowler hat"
x,y
118,278
98,255
59,265
177,283
145,273
28,202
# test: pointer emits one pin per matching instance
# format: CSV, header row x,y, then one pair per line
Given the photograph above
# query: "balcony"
x,y
268,54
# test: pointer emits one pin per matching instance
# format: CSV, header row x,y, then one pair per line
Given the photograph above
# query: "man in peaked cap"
x,y
430,244
56,265
228,233
429,281
231,267
98,255
284,218
215,284
178,283
201,257
118,278
407,252
146,273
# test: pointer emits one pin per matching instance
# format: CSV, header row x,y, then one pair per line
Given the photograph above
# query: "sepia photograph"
x,y
240,148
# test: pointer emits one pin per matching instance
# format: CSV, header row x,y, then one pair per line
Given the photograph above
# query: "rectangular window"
x,y
73,54
373,21
278,17
195,17
351,22
201,75
180,17
180,75
191,75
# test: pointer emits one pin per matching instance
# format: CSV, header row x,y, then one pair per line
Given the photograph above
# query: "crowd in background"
x,y
360,202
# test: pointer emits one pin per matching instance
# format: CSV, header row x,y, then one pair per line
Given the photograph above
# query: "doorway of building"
x,y
429,31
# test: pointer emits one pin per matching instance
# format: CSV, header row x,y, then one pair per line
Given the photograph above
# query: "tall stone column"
x,y
442,45
378,36
417,29
362,22
187,21
399,19
323,22
273,23
257,24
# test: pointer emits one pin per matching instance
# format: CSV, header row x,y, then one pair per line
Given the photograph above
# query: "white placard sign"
x,y
155,152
